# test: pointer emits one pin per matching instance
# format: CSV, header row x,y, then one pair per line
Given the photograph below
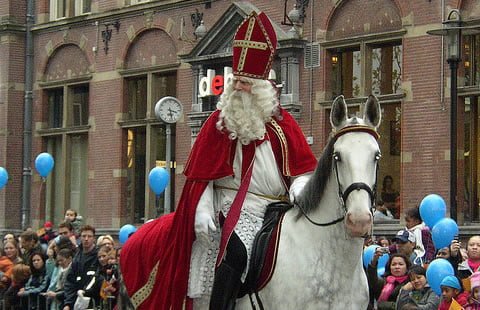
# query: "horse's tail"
x,y
124,302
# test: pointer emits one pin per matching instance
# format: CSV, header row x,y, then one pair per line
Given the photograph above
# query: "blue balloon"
x,y
443,232
432,209
437,270
44,164
382,264
158,179
3,177
125,232
368,254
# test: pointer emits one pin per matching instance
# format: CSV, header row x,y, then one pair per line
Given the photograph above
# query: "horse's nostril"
x,y
349,220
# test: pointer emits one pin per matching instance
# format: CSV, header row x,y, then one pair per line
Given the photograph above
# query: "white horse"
x,y
319,264
319,261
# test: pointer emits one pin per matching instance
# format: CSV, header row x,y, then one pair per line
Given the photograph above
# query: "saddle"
x,y
264,249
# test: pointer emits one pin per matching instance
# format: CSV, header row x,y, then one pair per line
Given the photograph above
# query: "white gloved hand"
x,y
204,222
297,186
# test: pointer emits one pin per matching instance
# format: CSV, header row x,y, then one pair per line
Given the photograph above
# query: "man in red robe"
x,y
248,154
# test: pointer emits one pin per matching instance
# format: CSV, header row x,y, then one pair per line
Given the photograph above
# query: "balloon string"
x,y
44,180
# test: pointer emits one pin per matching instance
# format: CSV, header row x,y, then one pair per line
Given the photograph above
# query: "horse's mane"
x,y
313,191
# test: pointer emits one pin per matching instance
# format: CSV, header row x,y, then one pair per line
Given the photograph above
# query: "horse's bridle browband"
x,y
354,186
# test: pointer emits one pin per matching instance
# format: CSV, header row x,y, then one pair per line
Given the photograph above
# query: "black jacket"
x,y
84,267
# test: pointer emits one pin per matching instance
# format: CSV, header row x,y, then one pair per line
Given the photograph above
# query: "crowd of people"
x,y
56,268
404,284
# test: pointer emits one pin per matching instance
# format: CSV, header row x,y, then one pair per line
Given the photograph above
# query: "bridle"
x,y
343,195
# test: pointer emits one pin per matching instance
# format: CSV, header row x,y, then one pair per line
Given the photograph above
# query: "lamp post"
x,y
452,30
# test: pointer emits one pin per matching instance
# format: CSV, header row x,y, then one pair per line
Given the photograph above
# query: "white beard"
x,y
243,117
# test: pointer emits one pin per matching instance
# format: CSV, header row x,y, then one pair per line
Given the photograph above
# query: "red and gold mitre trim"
x,y
254,47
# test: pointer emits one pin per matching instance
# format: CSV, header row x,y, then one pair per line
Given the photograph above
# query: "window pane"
x,y
472,158
136,156
78,173
346,73
55,108
164,84
55,186
61,8
86,6
467,56
387,69
137,97
80,105
475,51
389,174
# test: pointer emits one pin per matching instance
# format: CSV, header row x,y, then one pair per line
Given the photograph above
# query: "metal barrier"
x,y
39,302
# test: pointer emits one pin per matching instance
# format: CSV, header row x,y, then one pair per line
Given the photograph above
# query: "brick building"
x,y
101,66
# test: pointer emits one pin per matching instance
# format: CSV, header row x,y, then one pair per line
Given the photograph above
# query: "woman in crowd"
x,y
417,294
472,263
386,289
6,268
106,240
12,251
105,285
55,291
37,283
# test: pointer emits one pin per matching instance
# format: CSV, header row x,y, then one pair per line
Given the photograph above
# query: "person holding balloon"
x,y
386,288
452,254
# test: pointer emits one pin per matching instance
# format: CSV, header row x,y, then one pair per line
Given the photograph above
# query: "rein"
x,y
343,195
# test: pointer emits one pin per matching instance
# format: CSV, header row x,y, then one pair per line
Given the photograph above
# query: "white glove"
x,y
204,222
297,185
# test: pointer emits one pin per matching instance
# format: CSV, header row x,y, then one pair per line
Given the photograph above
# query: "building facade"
x,y
100,67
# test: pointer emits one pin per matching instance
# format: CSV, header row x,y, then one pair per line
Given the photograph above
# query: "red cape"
x,y
161,249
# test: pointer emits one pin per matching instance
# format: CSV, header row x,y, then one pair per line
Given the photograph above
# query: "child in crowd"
x,y
474,300
424,247
46,234
20,275
452,292
75,219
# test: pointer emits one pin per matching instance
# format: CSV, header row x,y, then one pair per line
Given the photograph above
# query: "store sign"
x,y
212,85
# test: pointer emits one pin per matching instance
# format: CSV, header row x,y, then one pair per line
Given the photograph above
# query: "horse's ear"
x,y
373,112
338,115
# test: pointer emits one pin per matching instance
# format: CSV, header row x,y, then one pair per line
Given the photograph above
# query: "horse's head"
x,y
355,162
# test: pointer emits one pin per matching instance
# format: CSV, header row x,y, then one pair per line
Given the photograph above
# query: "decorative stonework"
x,y
83,42
131,33
141,54
49,48
68,61
355,17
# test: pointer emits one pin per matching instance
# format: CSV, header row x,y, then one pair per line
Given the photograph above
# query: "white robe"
x,y
266,180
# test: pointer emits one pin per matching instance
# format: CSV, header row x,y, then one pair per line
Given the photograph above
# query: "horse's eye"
x,y
336,157
378,156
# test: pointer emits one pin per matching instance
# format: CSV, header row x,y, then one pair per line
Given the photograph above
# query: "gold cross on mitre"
x,y
245,44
